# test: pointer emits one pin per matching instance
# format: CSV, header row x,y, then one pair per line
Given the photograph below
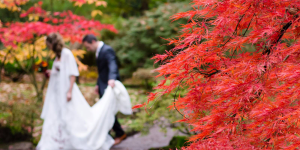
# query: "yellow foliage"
x,y
26,51
2,53
79,4
2,6
80,54
96,2
38,51
12,4
89,74
15,8
33,17
66,39
99,3
95,13
90,1
38,62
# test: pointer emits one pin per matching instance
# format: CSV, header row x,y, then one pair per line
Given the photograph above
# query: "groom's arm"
x,y
112,64
97,86
98,80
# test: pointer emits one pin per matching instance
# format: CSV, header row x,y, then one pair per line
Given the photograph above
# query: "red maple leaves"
x,y
240,62
71,26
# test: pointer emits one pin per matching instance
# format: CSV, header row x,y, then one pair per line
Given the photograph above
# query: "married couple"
x,y
69,122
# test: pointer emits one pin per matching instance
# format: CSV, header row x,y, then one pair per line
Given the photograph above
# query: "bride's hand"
x,y
69,96
47,73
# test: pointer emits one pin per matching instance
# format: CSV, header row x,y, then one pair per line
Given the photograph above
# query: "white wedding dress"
x,y
75,125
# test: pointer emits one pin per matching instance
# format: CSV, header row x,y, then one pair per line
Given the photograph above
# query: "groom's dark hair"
x,y
89,38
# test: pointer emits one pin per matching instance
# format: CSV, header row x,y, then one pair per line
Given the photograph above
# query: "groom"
x,y
108,73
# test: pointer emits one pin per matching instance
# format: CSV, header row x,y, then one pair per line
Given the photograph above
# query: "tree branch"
x,y
282,31
3,62
244,34
45,79
175,101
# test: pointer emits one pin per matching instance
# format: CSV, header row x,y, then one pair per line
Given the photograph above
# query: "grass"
x,y
88,84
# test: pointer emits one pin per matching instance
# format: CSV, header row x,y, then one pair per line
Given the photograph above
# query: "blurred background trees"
x,y
140,38
136,29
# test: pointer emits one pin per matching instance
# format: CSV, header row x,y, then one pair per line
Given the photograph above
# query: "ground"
x,y
155,139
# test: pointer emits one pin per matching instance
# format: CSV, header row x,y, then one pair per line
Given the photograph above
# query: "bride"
x,y
69,121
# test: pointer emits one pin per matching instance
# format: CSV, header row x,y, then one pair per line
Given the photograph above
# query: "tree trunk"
x,y
144,5
2,65
39,96
51,6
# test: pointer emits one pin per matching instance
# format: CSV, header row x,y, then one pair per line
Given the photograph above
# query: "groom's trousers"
x,y
117,127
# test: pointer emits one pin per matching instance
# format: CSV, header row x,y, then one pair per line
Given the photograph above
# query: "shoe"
x,y
118,140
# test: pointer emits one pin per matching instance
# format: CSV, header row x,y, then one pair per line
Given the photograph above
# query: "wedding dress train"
x,y
75,125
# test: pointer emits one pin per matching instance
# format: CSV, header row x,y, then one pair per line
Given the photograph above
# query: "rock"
x,y
154,139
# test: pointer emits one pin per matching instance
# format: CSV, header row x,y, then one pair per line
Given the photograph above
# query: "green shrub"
x,y
157,113
19,112
140,38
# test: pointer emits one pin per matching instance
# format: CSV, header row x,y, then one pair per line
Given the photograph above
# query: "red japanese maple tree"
x,y
71,26
239,61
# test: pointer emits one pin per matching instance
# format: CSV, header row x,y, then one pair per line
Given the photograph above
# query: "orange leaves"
x,y
138,106
40,3
80,54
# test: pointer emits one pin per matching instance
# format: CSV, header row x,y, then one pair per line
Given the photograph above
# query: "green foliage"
x,y
17,121
19,113
8,16
65,5
146,75
15,73
115,9
127,8
156,114
140,38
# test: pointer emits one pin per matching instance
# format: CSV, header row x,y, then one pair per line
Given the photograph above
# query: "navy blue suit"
x,y
108,69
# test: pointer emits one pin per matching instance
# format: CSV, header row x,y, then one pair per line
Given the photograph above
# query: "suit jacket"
x,y
107,67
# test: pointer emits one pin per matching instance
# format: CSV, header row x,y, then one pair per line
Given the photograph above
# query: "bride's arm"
x,y
72,72
69,94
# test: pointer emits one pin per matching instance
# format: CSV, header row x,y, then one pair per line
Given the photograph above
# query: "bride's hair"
x,y
57,42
